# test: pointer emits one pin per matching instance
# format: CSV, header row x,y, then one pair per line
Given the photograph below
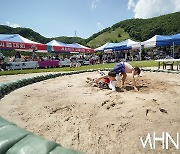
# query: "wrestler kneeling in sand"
x,y
112,80
122,69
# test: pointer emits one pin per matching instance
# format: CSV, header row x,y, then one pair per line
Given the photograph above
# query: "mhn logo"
x,y
165,138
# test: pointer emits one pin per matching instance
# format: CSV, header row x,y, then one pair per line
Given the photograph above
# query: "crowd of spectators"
x,y
77,60
160,53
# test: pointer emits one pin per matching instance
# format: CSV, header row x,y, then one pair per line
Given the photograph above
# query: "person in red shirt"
x,y
106,81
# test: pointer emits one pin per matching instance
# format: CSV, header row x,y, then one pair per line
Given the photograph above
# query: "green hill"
x,y
143,29
111,35
25,32
34,36
136,29
70,39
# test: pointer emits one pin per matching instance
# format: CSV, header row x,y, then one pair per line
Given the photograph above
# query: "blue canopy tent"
x,y
128,44
106,46
176,39
124,45
157,41
162,40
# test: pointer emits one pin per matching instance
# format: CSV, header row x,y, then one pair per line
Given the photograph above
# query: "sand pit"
x,y
78,116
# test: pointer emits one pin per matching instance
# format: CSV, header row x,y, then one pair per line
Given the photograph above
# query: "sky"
x,y
82,18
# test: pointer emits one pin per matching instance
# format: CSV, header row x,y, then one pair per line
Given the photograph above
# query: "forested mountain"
x,y
25,32
143,29
70,39
136,29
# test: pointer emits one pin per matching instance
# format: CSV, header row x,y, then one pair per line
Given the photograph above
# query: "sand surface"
x,y
73,113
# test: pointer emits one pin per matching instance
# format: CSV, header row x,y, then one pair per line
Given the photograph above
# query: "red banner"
x,y
21,46
69,49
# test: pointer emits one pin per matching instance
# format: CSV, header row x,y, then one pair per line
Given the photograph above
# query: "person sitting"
x,y
57,58
17,55
170,63
78,64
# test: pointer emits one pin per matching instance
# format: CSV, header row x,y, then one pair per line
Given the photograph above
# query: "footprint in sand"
x,y
163,110
143,99
154,100
105,102
27,96
150,110
121,102
111,105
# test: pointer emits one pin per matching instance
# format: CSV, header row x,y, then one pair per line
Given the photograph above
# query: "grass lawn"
x,y
150,63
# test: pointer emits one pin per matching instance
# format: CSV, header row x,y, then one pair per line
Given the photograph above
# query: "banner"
x,y
21,46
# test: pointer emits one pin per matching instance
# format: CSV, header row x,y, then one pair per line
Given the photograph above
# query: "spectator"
x,y
17,55
57,58
100,58
34,56
92,61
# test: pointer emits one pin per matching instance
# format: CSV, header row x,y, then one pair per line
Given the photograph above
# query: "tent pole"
x,y
126,55
140,52
173,49
131,53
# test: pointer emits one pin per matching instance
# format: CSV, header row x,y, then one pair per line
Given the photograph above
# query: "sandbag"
x,y
32,144
4,122
10,135
62,150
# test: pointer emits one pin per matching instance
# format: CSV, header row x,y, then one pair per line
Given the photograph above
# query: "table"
x,y
22,65
48,63
171,62
65,62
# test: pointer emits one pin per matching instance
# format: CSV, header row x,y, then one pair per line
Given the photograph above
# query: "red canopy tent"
x,y
56,46
18,42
